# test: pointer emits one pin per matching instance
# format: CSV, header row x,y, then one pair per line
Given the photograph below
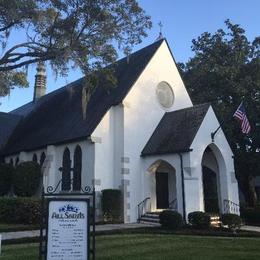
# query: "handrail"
x,y
231,207
142,208
173,204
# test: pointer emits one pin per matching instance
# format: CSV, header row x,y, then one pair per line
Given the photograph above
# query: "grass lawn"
x,y
156,246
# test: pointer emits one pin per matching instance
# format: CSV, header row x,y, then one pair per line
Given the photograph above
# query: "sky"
x,y
183,20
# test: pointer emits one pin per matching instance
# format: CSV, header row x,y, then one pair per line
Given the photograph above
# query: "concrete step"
x,y
147,219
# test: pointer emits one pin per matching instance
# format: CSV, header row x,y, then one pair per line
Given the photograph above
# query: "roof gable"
x,y
57,117
176,131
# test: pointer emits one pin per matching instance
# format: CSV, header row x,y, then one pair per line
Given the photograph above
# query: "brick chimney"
x,y
40,82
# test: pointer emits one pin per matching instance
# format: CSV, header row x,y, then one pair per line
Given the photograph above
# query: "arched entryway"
x,y
163,185
211,182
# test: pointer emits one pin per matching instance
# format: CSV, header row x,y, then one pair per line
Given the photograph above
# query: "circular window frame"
x,y
170,90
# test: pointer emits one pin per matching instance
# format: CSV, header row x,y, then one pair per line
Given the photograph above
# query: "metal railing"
x,y
231,207
173,204
143,207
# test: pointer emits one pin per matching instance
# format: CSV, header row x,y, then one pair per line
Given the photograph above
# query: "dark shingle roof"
x,y
176,131
57,117
8,124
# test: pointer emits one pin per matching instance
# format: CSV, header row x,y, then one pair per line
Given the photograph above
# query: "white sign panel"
x,y
67,235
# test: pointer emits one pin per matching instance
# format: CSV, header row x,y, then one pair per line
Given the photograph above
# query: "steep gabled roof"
x,y
57,117
176,131
8,124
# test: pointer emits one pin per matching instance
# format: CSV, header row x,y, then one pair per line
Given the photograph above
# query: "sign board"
x,y
68,229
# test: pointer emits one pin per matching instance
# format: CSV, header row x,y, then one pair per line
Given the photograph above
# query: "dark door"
x,y
162,192
210,189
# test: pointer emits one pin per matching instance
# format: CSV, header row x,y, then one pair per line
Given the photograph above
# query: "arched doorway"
x,y
211,183
163,185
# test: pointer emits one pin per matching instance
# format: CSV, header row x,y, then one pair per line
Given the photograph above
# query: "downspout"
x,y
183,188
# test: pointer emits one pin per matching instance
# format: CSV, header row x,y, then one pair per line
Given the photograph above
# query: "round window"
x,y
165,95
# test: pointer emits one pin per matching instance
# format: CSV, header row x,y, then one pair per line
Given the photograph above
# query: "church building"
x,y
143,136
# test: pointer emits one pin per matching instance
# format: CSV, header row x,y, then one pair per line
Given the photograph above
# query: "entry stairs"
x,y
152,218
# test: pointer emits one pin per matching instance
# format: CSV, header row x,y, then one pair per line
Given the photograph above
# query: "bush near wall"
x,y
6,178
20,210
251,216
27,179
111,201
199,219
233,221
171,219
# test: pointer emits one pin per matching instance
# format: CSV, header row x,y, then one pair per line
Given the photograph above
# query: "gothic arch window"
x,y
16,161
12,162
35,159
77,168
66,168
42,159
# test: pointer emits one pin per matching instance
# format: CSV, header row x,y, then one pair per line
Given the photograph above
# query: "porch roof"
x,y
176,131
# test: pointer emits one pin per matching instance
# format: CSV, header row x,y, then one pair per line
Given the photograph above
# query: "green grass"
x,y
156,246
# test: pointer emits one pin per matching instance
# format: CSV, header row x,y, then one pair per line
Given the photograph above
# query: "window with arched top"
x,y
42,159
35,159
77,168
66,168
12,162
16,161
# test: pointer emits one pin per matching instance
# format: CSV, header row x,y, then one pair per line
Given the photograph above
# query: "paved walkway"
x,y
99,228
251,228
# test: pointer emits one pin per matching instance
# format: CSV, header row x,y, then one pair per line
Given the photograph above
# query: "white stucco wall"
x,y
221,149
142,115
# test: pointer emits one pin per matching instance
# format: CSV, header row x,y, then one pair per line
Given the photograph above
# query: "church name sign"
x,y
68,229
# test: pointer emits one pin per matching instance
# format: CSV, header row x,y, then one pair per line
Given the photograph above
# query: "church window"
x,y
12,162
34,159
77,168
165,95
16,161
42,159
66,168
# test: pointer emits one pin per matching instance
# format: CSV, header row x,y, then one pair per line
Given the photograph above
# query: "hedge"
x,y
20,210
171,219
199,219
111,201
27,179
233,221
6,178
251,216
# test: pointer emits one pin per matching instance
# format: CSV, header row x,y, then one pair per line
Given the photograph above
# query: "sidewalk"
x,y
99,228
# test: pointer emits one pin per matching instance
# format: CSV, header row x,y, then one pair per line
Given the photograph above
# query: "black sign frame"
x,y
53,193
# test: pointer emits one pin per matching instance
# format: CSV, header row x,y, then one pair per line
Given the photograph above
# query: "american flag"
x,y
240,114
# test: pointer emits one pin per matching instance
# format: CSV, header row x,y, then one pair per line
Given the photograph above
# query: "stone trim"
x,y
125,170
125,159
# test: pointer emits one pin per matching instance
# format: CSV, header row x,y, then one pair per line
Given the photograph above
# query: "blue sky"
x,y
182,21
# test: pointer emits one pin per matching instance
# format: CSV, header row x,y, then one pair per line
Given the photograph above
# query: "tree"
x,y
66,33
225,70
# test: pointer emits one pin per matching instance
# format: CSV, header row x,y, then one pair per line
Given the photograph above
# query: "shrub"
x,y
251,216
171,219
199,219
20,210
233,221
27,179
6,178
111,201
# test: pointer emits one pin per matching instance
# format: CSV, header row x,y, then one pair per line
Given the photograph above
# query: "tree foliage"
x,y
67,33
225,70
